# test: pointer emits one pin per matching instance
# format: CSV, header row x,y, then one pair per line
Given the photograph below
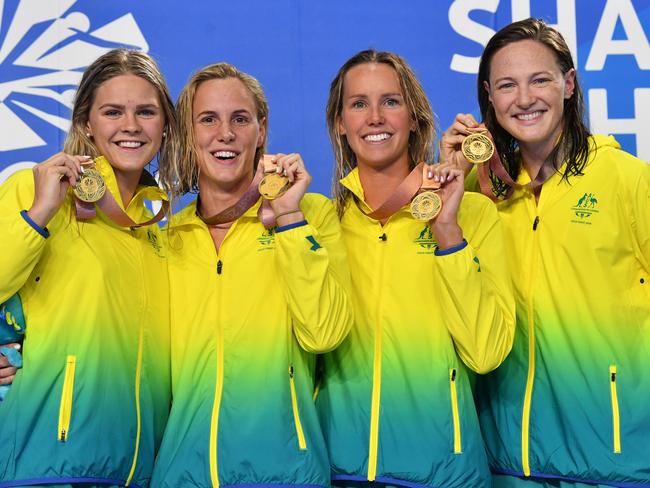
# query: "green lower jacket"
x,y
92,398
396,403
247,323
571,401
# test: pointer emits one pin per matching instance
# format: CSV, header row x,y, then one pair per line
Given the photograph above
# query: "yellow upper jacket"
x,y
93,396
396,402
247,322
571,401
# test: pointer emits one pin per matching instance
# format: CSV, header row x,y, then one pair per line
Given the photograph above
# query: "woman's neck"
x,y
380,183
216,198
127,183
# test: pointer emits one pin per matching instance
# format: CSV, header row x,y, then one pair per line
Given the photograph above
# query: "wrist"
x,y
447,235
39,216
288,217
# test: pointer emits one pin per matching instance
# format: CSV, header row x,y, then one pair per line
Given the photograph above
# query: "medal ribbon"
x,y
108,205
495,164
405,192
248,199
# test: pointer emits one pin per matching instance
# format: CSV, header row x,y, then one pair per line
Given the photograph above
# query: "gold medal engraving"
x,y
273,185
90,187
426,206
477,148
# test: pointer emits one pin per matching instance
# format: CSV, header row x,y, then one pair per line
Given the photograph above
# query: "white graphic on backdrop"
x,y
59,53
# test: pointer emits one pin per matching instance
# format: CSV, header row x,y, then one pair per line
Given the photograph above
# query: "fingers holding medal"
x,y
275,182
427,204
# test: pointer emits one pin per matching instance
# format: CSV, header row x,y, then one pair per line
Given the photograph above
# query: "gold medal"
x,y
426,206
273,185
477,148
90,187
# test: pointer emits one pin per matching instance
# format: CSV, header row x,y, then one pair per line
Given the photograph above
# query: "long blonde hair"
x,y
421,140
115,63
184,175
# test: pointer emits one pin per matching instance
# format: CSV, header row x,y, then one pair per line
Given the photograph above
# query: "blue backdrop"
x,y
295,47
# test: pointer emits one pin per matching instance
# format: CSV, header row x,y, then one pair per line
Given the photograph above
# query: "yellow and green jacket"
x,y
396,404
571,400
247,323
92,398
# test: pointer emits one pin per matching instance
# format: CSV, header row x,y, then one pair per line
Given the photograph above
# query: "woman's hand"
x,y
452,140
287,207
52,178
445,226
7,369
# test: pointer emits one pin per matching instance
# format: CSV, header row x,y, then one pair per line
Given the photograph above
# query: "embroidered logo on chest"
x,y
425,241
585,209
267,240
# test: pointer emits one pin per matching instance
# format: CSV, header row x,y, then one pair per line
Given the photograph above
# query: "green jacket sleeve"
x,y
22,244
475,289
315,277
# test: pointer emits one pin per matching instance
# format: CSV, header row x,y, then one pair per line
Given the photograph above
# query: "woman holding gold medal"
x,y
88,277
259,286
432,295
566,409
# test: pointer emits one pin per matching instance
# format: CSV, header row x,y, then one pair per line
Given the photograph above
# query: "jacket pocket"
x,y
455,416
616,421
65,407
296,414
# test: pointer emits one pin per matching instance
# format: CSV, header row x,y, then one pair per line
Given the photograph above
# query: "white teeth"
x,y
530,116
377,137
130,144
224,154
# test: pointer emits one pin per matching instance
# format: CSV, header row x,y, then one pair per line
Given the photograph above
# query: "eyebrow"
x,y
533,75
117,105
234,112
383,95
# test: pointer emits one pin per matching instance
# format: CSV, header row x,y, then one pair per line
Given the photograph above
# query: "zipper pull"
x,y
63,435
613,377
383,237
453,375
536,222
291,371
219,267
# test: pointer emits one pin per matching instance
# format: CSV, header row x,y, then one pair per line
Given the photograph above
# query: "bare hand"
x,y
452,140
293,167
7,371
52,178
445,226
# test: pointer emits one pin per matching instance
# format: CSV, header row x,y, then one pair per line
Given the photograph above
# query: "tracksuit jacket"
x,y
247,322
92,398
395,402
571,401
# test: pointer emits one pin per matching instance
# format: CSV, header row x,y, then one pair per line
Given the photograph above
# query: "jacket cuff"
x,y
283,228
451,250
41,230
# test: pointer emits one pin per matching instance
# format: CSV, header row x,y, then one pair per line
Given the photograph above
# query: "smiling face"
x,y
527,90
375,119
126,123
226,133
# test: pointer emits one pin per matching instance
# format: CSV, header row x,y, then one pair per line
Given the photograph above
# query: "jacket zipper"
x,y
376,375
296,414
216,406
65,408
454,411
530,378
138,375
616,422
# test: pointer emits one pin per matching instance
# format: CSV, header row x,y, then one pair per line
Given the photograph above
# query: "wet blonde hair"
x,y
421,140
184,175
115,63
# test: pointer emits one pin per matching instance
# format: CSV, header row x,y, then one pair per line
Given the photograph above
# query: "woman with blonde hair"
x,y
432,297
258,287
83,256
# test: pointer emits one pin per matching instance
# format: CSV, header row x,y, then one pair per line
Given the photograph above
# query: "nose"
x,y
225,133
131,123
525,96
375,116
